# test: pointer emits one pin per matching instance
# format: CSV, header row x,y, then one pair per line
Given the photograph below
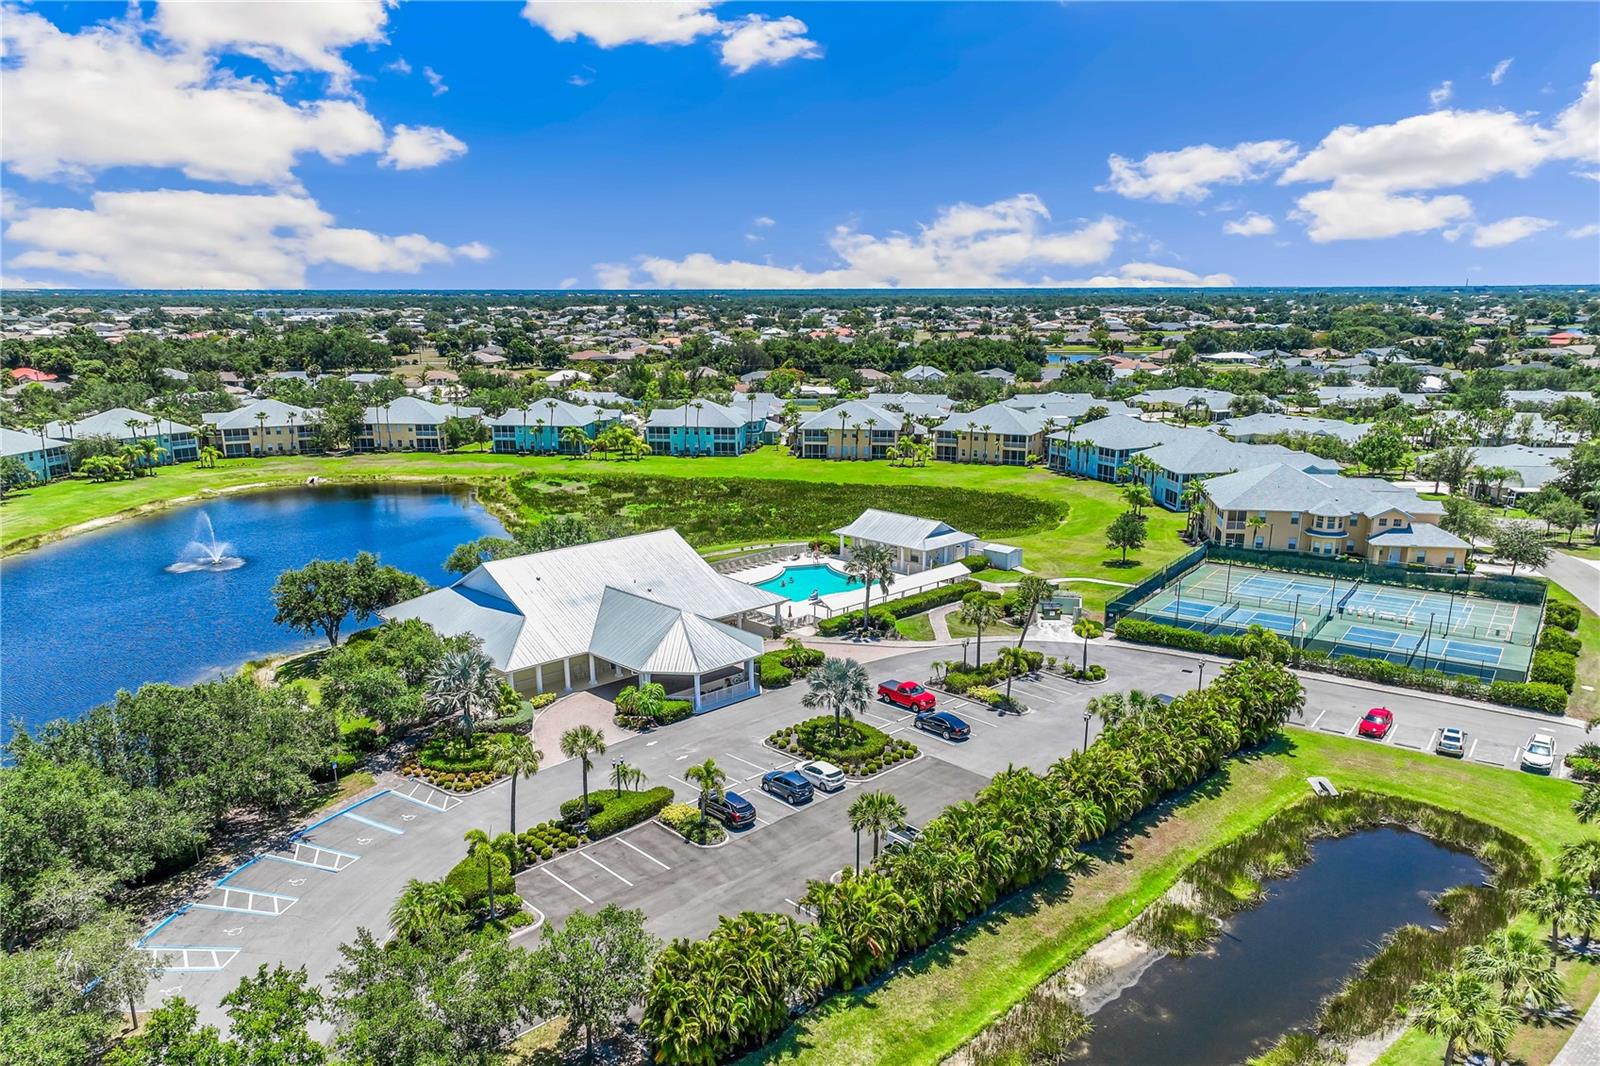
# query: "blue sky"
x,y
460,145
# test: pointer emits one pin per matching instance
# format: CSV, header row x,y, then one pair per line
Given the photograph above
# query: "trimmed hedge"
x,y
974,563
990,673
893,609
1562,615
1535,695
520,722
1559,640
861,742
1554,668
776,669
469,878
447,752
613,813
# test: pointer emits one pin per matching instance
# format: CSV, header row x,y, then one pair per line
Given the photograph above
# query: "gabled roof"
x,y
854,413
708,416
1282,487
1121,433
1421,535
557,413
277,413
903,530
415,411
114,423
646,636
1065,405
1268,423
16,442
1213,399
999,418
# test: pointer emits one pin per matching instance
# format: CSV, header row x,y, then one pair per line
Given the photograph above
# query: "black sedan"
x,y
945,724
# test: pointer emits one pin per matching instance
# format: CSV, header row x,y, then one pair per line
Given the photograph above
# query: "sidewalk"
x,y
1583,1046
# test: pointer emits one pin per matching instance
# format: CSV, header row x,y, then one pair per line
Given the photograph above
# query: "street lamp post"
x,y
1087,718
1201,671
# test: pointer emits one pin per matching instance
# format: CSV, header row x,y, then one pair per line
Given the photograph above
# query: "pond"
x,y
186,594
1274,964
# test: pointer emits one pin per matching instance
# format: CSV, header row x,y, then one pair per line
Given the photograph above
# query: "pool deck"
x,y
799,611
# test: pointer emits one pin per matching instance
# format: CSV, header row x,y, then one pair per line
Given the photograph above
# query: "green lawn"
x,y
936,1003
1073,546
1583,704
915,627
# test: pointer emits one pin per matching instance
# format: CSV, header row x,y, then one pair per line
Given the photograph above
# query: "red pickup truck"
x,y
907,694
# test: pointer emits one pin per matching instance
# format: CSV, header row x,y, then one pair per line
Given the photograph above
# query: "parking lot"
x,y
1423,735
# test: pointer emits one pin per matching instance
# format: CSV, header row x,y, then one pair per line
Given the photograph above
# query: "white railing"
x,y
710,701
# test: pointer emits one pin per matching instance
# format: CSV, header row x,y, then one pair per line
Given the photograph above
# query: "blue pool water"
x,y
799,582
105,610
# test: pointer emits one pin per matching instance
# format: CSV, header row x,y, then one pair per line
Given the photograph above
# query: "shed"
x,y
1003,556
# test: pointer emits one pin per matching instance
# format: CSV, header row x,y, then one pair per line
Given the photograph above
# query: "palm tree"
x,y
1088,629
515,758
1137,493
643,701
149,452
576,439
1032,590
869,564
1581,862
463,684
424,906
1587,806
877,813
1554,900
583,742
209,456
841,686
980,612
625,775
1015,661
479,846
1193,499
710,778
1459,1006
1517,962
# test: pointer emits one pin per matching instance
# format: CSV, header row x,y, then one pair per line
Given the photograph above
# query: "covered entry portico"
x,y
694,658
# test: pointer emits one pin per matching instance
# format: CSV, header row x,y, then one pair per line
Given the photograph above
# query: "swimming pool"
x,y
799,582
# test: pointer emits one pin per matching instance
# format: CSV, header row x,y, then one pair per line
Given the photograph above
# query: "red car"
x,y
906,694
1377,723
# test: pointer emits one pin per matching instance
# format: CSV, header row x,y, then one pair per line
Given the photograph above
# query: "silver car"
x,y
1539,754
822,775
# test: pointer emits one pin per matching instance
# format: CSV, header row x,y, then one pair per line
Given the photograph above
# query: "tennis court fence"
x,y
1512,589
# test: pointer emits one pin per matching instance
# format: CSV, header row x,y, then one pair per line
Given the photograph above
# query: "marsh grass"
x,y
1041,1029
1176,928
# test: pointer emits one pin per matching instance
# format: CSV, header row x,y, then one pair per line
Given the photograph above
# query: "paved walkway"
x,y
1583,1046
1578,576
939,619
580,708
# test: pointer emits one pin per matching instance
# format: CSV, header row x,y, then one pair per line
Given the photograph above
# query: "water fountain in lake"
x,y
206,552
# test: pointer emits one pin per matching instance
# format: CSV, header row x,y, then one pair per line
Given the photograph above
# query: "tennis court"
x,y
1456,633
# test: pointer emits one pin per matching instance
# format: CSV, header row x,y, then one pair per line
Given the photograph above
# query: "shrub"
x,y
1562,615
345,762
983,694
857,743
611,813
772,674
974,563
542,700
1559,640
450,752
900,608
469,878
359,733
519,722
959,681
679,815
674,711
1177,637
1554,668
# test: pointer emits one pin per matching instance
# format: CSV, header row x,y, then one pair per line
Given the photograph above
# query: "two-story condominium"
x,y
919,544
549,427
701,427
175,443
856,429
265,427
916,406
45,459
994,433
1284,509
1066,408
1355,395
1521,398
408,424
1532,469
1252,428
1215,402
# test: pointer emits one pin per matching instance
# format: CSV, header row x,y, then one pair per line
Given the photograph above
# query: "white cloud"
x,y
474,250
1440,96
184,238
755,41
568,283
1147,276
1188,173
1251,225
1370,168
764,220
611,24
399,66
435,81
1507,231
582,78
1498,74
80,103
15,281
1004,243
1584,232
284,36
414,147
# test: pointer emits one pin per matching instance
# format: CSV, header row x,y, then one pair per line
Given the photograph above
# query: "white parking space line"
x,y
747,762
1433,740
1059,690
1318,719
643,852
765,798
1353,727
566,886
1474,747
606,868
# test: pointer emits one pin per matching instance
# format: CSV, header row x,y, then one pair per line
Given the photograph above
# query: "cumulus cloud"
x,y
1189,173
435,81
1498,74
284,36
1006,243
1377,173
1251,225
185,238
745,43
756,41
1440,96
764,220
1148,276
1506,231
80,103
1584,232
414,147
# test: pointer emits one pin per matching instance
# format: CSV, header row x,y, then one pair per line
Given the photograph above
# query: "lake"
x,y
1274,964
125,604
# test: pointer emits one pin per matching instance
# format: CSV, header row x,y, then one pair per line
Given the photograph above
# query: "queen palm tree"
x,y
1087,629
1257,523
1032,590
1193,499
643,701
209,456
1137,493
625,775
463,684
709,778
980,611
576,439
877,813
516,757
871,564
1015,661
1459,1006
840,686
583,742
424,906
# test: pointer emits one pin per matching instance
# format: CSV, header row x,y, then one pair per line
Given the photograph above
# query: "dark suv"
x,y
787,785
732,810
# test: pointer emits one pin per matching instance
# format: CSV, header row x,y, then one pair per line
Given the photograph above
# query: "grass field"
x,y
934,1004
1584,704
1069,541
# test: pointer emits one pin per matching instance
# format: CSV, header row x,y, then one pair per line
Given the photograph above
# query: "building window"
x,y
1349,545
1382,522
1450,560
1291,545
1294,518
1422,557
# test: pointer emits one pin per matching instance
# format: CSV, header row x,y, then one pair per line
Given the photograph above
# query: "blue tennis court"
x,y
1380,638
1245,617
1466,651
1192,611
1271,587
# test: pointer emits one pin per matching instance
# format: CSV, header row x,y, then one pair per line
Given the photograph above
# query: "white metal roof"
x,y
647,636
903,530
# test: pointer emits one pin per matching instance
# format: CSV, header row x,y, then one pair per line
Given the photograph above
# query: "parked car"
x,y
1377,723
787,786
823,775
943,723
907,694
1452,742
902,836
1166,699
732,810
1539,754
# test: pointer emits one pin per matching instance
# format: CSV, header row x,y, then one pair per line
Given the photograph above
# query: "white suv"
x,y
1539,754
822,775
